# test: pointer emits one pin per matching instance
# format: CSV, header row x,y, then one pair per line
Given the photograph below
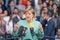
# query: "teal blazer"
x,y
28,34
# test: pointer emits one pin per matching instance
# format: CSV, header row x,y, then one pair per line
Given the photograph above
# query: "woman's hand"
x,y
16,27
41,28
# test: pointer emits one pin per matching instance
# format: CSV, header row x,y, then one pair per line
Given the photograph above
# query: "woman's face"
x,y
58,32
39,1
11,3
54,6
51,2
29,16
29,3
16,11
20,2
44,5
5,12
45,9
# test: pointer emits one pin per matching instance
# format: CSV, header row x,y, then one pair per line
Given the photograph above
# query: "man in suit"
x,y
18,16
49,30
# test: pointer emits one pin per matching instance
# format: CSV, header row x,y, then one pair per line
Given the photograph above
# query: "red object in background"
x,y
24,2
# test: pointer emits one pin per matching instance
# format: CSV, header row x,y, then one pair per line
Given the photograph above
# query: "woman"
x,y
30,23
2,28
38,8
9,28
11,7
20,6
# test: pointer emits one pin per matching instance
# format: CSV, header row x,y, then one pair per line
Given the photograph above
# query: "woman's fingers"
x,y
41,28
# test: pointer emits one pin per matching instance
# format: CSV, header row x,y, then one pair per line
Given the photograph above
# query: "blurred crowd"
x,y
47,13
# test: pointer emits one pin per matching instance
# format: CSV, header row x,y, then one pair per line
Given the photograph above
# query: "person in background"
x,y
47,2
6,18
51,7
42,18
44,4
18,17
36,2
29,4
15,2
58,20
38,8
31,25
57,2
33,2
3,7
51,4
16,10
9,28
2,28
55,10
55,16
7,1
49,30
57,36
11,7
20,5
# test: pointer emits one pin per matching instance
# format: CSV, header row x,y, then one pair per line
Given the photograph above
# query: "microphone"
x,y
32,31
22,31
31,28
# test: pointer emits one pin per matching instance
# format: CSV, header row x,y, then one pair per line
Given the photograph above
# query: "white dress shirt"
x,y
9,27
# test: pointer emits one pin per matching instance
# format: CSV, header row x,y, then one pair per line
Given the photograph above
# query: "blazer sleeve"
x,y
50,29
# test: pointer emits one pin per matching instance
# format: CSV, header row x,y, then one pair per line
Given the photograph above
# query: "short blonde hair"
x,y
32,11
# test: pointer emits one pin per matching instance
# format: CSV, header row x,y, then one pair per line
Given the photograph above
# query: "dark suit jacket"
x,y
9,11
15,20
58,22
42,21
49,29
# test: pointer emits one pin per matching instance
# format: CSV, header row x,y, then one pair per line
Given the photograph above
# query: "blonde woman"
x,y
34,29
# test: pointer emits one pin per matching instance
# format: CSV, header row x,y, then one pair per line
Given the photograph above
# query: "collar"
x,y
49,19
